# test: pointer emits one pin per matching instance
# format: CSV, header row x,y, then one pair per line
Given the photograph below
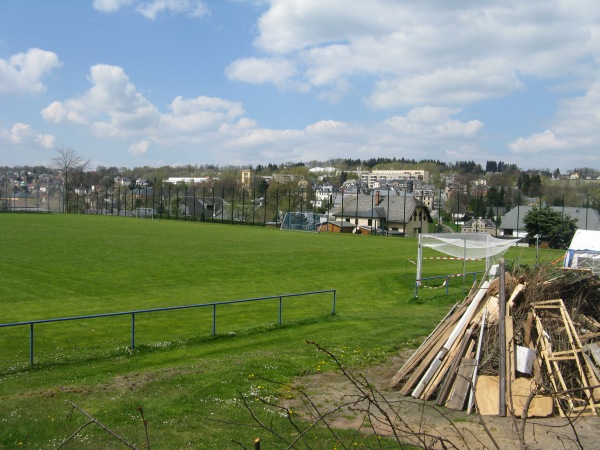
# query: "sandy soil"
x,y
414,417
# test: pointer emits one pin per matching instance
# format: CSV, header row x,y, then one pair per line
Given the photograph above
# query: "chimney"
x,y
376,198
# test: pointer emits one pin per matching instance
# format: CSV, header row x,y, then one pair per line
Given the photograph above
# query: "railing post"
x,y
280,309
333,306
31,344
132,331
214,327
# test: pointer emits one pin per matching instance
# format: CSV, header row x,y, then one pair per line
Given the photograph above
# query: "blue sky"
x,y
130,83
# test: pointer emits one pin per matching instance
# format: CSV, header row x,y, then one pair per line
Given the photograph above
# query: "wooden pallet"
x,y
578,402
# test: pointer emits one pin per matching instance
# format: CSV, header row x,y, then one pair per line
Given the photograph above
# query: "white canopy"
x,y
584,251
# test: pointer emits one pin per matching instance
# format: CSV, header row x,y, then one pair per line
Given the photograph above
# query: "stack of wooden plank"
x,y
511,345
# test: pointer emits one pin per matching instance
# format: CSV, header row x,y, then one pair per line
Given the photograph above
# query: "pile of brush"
x,y
527,344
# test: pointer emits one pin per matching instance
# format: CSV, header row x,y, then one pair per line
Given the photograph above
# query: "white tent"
x,y
584,251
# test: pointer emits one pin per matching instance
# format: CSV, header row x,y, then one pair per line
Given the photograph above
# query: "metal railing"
x,y
32,323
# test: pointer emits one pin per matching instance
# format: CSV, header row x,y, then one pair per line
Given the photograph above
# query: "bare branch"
x,y
97,422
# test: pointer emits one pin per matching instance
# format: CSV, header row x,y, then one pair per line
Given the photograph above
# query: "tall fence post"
x,y
280,309
333,306
31,344
132,331
214,325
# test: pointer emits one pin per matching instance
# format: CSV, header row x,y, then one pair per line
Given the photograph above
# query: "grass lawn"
x,y
182,376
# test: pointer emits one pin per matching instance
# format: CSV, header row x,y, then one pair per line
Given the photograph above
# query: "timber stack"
x,y
527,344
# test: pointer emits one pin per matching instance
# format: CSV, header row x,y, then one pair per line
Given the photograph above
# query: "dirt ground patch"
x,y
329,390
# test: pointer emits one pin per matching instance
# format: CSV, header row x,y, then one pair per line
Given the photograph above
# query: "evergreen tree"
x,y
551,226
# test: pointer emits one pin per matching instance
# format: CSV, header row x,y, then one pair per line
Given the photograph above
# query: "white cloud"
x,y
110,5
280,72
152,8
291,25
575,129
417,53
456,85
426,132
112,106
139,148
22,135
434,123
24,72
536,143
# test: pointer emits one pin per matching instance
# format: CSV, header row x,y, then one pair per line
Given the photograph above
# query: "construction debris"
x,y
527,344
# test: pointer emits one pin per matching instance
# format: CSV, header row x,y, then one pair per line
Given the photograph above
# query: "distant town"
x,y
377,196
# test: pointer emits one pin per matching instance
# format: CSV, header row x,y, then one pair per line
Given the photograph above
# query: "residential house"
x,y
480,225
206,208
400,213
324,196
513,222
122,181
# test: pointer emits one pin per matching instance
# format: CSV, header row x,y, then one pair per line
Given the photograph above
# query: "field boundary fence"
x,y
213,305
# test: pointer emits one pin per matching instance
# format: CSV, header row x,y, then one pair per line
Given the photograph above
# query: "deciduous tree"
x,y
70,165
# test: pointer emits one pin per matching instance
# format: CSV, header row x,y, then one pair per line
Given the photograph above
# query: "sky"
x,y
131,83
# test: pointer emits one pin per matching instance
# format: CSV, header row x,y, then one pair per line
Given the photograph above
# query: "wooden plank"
x,y
453,369
459,354
461,387
593,375
418,363
423,365
540,406
510,349
527,326
586,336
477,356
594,349
424,347
456,332
516,293
486,395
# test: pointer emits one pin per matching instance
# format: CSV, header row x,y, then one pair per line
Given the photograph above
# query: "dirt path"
x,y
329,390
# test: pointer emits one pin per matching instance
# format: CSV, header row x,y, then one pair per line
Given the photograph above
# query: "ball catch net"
x,y
463,246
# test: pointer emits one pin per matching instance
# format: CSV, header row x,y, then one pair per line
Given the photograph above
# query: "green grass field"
x,y
59,266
